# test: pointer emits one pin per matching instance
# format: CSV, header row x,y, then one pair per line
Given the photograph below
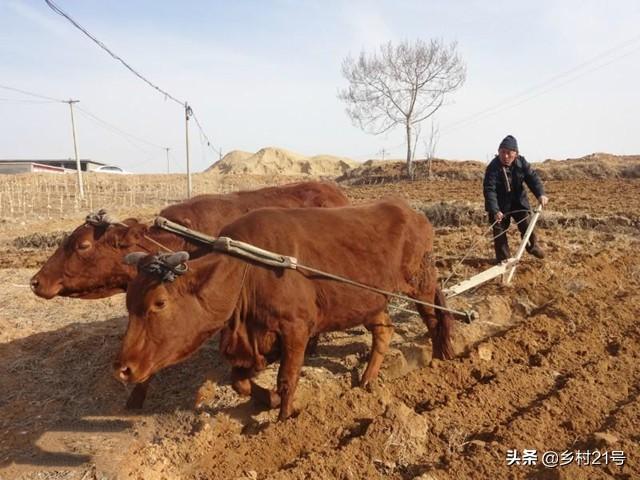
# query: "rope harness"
x,y
166,272
102,219
251,252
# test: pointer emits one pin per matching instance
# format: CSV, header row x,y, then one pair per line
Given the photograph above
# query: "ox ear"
x,y
132,234
176,259
134,258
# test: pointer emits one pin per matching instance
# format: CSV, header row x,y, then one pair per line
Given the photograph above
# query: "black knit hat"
x,y
509,142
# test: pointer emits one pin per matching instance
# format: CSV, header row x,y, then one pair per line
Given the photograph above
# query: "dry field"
x,y
551,364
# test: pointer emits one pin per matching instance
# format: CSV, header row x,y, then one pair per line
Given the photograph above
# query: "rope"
x,y
378,290
402,309
145,236
511,225
158,244
242,249
453,269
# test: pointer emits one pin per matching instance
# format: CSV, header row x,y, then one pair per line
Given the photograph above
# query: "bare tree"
x,y
430,144
400,85
417,129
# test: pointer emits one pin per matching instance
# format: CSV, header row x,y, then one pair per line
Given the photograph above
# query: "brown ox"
x,y
89,262
268,312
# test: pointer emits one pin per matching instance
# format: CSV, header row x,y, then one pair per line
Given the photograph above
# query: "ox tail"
x,y
442,344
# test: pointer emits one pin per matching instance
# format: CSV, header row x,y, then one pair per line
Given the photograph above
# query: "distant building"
x,y
53,166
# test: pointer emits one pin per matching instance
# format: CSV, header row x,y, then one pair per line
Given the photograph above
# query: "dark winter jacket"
x,y
504,186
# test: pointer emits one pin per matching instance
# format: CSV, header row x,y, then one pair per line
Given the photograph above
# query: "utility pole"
x,y
187,113
75,148
383,152
167,150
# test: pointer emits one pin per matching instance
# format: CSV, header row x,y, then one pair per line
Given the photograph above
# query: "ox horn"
x,y
134,258
175,259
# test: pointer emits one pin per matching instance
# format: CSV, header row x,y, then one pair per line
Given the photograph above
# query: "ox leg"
x,y
138,395
381,331
439,323
244,386
241,380
294,345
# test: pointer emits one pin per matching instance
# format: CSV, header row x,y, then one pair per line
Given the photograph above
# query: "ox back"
x,y
89,262
264,310
387,245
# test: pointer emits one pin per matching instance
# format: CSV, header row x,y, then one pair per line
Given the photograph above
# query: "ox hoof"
x,y
366,386
273,400
284,416
264,396
270,399
366,383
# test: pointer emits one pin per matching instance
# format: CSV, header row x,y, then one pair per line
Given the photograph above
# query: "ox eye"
x,y
84,245
160,304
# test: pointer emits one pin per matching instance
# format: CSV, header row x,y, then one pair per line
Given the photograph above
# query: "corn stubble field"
x,y
551,364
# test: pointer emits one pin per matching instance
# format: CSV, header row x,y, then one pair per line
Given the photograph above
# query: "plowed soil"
x,y
551,364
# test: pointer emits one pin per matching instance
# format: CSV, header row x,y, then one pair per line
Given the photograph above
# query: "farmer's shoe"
x,y
501,248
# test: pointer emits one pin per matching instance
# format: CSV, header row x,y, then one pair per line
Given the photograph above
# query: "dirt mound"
x,y
277,161
458,214
374,172
230,159
593,166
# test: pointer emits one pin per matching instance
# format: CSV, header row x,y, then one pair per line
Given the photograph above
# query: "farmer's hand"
x,y
499,216
543,200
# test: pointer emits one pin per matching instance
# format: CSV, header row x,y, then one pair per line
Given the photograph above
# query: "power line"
x,y
187,109
48,100
59,11
17,100
129,138
553,87
32,94
202,132
529,94
116,129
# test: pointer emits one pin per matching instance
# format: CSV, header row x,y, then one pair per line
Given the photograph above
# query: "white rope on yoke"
x,y
145,236
245,250
378,290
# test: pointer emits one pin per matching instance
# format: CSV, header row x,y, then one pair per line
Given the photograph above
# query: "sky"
x,y
560,76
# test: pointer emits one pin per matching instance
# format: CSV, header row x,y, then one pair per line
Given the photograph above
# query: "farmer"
x,y
505,196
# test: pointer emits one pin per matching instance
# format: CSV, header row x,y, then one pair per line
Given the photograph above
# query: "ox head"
x,y
172,311
89,264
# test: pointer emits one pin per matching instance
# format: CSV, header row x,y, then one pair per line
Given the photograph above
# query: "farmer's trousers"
x,y
500,242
